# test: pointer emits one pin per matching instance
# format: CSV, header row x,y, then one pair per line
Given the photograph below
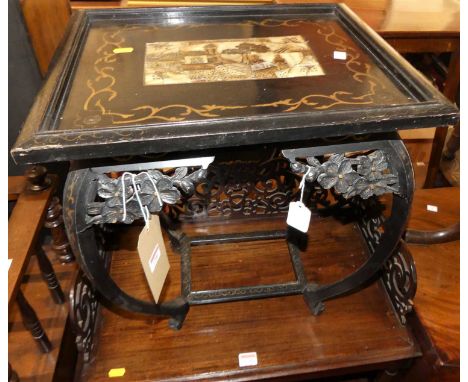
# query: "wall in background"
x,y
24,78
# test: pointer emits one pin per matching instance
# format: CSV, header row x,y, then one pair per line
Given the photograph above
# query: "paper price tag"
x,y
338,55
432,208
298,216
248,359
153,256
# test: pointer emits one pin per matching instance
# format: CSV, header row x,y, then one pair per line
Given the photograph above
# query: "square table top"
x,y
138,81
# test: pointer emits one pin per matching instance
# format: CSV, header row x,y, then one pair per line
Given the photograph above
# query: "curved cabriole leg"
x,y
394,226
80,190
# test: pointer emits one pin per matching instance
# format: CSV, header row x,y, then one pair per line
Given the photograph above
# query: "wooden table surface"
x,y
404,17
387,17
359,331
437,299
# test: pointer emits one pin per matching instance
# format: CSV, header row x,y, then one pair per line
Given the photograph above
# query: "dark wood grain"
x,y
359,331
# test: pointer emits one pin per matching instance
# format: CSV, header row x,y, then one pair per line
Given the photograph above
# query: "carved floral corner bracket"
x,y
364,175
139,189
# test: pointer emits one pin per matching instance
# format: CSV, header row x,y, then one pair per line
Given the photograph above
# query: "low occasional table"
x,y
241,103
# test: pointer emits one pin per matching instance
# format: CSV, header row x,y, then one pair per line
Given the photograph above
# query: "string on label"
x,y
298,214
144,209
302,184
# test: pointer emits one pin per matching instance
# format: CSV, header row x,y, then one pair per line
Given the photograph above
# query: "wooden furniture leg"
x,y
54,222
450,91
453,144
32,323
49,276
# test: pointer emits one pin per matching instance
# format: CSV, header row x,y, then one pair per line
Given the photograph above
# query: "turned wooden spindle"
x,y
54,222
37,178
49,276
32,323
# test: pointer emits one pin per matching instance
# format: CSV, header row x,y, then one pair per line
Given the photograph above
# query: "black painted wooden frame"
x,y
39,142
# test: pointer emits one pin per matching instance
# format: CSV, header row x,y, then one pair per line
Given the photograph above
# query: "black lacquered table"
x,y
224,110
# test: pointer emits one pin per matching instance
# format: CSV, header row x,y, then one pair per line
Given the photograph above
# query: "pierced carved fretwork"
x,y
84,310
399,272
245,188
399,277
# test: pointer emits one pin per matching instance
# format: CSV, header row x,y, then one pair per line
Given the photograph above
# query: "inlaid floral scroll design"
x,y
124,198
364,175
98,104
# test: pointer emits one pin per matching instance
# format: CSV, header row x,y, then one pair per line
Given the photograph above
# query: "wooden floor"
x,y
360,329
